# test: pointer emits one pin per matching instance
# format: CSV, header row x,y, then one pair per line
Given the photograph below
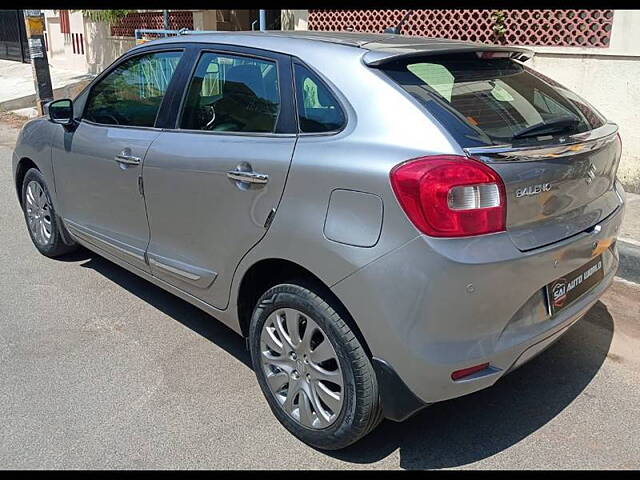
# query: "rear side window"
x,y
491,101
318,109
230,93
131,94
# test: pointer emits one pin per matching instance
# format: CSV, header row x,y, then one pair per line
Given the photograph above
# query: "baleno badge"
x,y
533,190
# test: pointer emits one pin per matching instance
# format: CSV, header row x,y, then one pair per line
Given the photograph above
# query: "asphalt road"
x,y
101,369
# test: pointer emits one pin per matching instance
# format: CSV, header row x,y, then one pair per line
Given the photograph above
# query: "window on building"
x,y
65,25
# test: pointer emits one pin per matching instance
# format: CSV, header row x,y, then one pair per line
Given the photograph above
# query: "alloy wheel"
x,y
38,211
301,368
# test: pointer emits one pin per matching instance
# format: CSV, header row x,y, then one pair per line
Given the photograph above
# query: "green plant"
x,y
107,16
498,17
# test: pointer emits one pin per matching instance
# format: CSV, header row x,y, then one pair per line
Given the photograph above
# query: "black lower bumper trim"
x,y
398,401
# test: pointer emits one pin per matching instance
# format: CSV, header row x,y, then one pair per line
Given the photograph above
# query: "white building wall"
x,y
55,39
103,48
294,19
60,51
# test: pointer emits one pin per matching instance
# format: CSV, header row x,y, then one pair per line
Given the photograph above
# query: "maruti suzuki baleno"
x,y
390,221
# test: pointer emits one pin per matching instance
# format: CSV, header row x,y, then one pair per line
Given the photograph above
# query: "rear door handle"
x,y
127,159
248,177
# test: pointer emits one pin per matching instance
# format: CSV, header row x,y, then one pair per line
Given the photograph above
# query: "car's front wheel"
x,y
312,369
40,215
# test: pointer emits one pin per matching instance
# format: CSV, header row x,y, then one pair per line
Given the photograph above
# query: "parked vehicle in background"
x,y
391,221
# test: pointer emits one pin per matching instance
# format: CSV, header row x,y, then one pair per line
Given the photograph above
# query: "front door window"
x,y
132,93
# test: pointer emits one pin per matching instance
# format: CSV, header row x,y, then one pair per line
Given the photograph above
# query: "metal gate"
x,y
13,36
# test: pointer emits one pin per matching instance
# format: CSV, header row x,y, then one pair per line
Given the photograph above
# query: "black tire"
x,y
361,411
56,246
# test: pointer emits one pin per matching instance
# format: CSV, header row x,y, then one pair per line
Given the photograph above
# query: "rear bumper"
x,y
434,306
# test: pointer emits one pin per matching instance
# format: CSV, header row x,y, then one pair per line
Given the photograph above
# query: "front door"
x,y
98,165
212,183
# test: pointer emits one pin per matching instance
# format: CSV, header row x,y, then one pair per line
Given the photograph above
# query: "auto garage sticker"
x,y
562,291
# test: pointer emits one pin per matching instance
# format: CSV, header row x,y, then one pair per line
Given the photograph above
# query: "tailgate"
x,y
556,192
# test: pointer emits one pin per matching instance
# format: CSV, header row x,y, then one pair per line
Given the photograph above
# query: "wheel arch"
x,y
24,165
269,272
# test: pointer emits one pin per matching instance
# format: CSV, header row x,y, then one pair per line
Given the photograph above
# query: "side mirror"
x,y
61,111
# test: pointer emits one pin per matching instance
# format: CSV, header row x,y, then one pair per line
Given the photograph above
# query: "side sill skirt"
x,y
96,238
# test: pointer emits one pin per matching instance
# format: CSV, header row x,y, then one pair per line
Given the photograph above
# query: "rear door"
x,y
213,181
556,154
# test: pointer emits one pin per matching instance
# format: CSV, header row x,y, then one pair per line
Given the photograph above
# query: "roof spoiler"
x,y
376,58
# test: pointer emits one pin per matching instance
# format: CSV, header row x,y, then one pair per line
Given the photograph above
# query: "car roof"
x,y
378,48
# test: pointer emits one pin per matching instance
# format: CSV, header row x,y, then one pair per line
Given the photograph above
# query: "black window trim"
x,y
115,65
331,88
287,110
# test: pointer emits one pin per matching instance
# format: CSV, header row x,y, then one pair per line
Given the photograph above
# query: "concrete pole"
x,y
263,20
34,22
165,18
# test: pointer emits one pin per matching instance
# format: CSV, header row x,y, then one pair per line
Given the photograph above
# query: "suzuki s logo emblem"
x,y
591,174
533,190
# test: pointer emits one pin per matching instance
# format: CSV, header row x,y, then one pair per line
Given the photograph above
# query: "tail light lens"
x,y
450,196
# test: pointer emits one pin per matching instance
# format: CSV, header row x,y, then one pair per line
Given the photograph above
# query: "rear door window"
x,y
229,93
318,109
492,101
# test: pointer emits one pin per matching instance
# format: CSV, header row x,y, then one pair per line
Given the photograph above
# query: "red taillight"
x,y
450,195
465,372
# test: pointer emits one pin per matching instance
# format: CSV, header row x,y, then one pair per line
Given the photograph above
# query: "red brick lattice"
x,y
152,20
559,28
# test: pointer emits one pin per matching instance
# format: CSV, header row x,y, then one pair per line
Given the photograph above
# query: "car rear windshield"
x,y
492,101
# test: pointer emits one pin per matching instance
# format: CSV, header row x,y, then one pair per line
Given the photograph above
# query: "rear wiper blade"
x,y
553,125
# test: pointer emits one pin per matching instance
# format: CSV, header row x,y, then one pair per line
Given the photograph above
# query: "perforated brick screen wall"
x,y
127,26
561,28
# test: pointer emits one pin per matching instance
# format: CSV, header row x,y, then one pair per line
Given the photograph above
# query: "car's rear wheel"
x,y
40,215
312,369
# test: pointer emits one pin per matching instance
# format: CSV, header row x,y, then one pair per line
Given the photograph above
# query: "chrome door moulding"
x,y
198,276
171,269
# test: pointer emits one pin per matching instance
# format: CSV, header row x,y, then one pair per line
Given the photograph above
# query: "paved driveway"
x,y
100,369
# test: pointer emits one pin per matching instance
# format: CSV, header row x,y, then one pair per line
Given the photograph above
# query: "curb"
x,y
629,268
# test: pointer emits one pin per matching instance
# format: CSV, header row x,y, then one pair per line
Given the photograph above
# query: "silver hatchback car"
x,y
390,221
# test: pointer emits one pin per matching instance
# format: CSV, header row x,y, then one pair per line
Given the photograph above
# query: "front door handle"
x,y
127,159
248,177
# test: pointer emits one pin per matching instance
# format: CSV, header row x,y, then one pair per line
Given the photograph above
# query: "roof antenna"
x,y
397,28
